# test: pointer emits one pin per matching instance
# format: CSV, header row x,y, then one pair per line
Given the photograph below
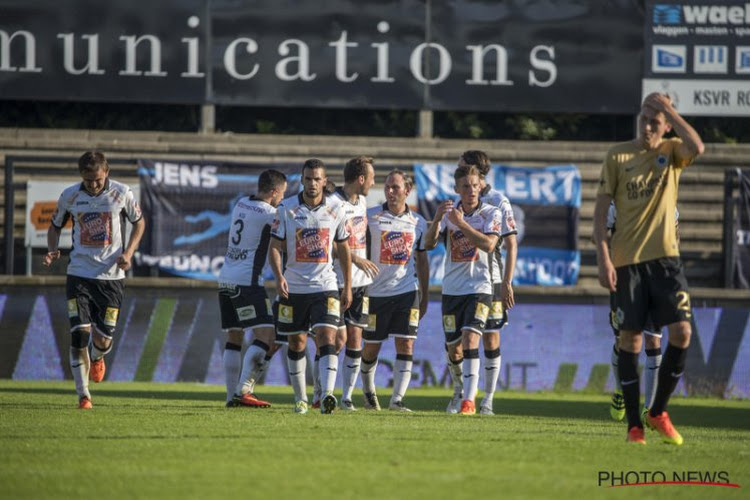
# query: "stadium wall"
x,y
557,341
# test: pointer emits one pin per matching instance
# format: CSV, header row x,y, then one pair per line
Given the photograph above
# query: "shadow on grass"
x,y
684,413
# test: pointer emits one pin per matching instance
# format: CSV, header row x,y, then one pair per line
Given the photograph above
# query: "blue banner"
x,y
546,203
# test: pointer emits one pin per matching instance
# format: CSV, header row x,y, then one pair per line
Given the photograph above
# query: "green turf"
x,y
147,440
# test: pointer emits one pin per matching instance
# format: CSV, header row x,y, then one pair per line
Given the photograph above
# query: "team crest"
x,y
110,316
413,317
481,312
286,313
333,307
246,313
72,308
449,323
619,317
661,161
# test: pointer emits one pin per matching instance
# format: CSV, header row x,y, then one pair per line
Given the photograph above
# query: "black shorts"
x,y
302,312
357,313
657,289
465,312
396,316
244,306
649,329
498,316
94,301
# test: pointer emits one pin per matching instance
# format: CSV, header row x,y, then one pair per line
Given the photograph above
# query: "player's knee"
x,y
235,336
679,334
80,337
653,342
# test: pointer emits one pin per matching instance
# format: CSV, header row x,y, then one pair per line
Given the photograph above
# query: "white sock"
x,y
457,375
79,367
328,368
259,372
401,376
352,363
491,372
297,369
471,376
615,370
232,362
250,367
653,363
316,379
368,375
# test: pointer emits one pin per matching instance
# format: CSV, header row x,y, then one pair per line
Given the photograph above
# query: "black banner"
x,y
741,265
188,206
549,56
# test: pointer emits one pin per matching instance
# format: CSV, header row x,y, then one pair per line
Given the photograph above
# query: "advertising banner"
x,y
188,206
546,203
698,53
741,265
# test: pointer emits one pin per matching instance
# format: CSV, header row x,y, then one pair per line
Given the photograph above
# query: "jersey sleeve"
x,y
678,160
132,208
508,218
342,229
278,226
493,224
608,176
421,230
60,217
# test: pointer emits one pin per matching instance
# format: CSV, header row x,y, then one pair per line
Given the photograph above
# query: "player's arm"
x,y
607,274
124,261
275,251
511,252
692,145
53,241
431,236
422,265
345,258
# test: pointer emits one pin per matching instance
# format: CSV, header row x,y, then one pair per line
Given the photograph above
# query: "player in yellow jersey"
x,y
644,270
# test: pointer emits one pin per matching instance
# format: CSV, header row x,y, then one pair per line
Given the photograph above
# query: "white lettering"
x,y
92,60
131,46
341,45
230,61
30,52
302,60
478,52
382,48
416,60
542,65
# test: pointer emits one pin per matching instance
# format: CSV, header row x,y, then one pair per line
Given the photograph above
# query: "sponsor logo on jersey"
x,y
312,244
461,248
413,317
96,229
395,247
286,313
110,316
357,227
72,308
481,312
246,313
449,323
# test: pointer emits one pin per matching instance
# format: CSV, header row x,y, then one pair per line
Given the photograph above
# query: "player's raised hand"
x,y
50,257
442,209
659,102
456,215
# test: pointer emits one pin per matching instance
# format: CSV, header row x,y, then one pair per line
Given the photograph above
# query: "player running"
x,y
243,301
98,261
471,231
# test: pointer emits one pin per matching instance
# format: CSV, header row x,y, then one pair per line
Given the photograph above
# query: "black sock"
x,y
672,366
627,367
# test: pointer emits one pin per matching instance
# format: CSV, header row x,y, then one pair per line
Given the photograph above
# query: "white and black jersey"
x,y
467,268
309,233
393,239
247,248
356,223
97,227
497,199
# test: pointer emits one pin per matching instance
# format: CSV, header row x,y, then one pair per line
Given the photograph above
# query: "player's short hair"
x,y
408,180
478,158
466,171
270,180
92,161
356,167
313,163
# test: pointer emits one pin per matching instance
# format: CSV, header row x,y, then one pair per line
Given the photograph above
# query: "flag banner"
x,y
188,209
546,203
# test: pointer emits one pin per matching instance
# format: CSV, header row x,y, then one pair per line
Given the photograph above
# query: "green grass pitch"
x,y
147,440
